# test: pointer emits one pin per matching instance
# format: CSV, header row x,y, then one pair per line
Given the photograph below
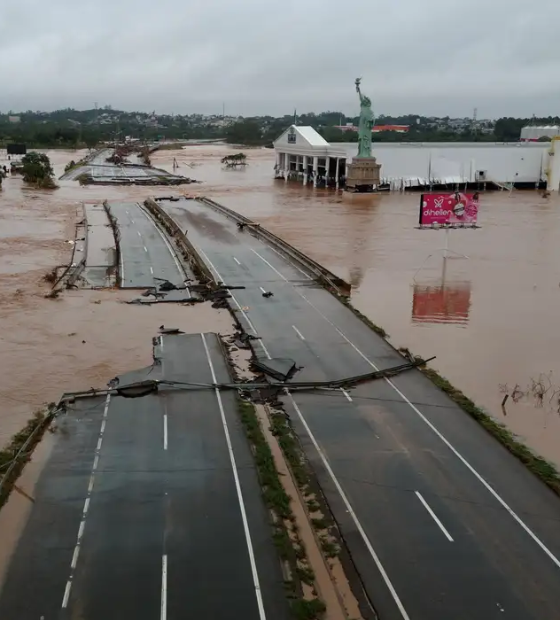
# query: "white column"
x,y
337,170
553,170
287,167
305,169
315,170
327,165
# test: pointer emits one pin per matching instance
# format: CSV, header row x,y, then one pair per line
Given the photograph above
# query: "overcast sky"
x,y
432,57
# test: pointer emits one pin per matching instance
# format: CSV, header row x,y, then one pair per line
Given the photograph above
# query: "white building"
x,y
303,154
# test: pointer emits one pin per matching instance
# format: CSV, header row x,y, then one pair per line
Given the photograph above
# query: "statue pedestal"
x,y
362,175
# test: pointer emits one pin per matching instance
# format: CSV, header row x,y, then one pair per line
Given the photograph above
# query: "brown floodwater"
x,y
490,319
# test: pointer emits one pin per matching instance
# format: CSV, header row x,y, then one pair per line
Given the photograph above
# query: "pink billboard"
x,y
449,209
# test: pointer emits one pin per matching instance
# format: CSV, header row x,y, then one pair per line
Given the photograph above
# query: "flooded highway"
x,y
490,319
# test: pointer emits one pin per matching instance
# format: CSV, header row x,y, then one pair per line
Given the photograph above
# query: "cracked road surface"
x,y
441,521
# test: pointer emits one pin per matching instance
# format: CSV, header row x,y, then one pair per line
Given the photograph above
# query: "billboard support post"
x,y
447,211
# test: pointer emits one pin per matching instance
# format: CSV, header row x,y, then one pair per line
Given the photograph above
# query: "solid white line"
x,y
434,517
262,289
298,332
287,260
351,512
251,326
258,593
165,431
85,510
475,473
235,259
348,397
163,615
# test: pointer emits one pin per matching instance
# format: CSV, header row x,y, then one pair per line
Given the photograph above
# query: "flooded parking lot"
x,y
490,319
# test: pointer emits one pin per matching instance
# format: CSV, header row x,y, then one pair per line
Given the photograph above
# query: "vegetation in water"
x,y
37,170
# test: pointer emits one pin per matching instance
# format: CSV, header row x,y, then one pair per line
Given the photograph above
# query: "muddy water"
x,y
83,338
490,319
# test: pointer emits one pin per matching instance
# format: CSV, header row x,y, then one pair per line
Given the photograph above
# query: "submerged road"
x,y
146,253
441,521
150,508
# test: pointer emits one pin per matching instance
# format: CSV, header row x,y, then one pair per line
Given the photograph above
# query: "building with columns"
x,y
303,154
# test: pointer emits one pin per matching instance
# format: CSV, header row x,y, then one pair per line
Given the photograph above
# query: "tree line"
x,y
87,128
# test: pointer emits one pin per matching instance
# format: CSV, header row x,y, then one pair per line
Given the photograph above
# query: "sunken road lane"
x,y
150,508
442,522
145,251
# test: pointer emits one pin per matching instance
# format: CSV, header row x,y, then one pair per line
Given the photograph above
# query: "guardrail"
x,y
182,243
324,276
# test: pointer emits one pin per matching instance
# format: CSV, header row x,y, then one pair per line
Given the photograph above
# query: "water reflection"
x,y
444,301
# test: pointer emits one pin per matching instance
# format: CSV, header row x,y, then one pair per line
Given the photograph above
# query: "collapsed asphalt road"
x,y
150,508
441,521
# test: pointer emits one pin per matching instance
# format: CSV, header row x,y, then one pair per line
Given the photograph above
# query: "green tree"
x,y
37,170
247,131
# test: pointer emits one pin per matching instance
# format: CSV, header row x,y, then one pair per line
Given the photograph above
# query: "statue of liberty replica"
x,y
363,172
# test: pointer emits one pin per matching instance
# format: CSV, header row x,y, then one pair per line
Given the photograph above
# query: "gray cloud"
x,y
268,57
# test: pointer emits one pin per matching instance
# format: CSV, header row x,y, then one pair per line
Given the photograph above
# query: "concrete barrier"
x,y
324,276
184,246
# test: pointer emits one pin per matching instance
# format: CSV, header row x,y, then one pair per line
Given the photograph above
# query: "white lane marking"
x,y
138,233
298,332
235,259
75,555
249,322
180,269
252,561
463,460
323,458
66,594
165,431
351,512
286,259
262,289
152,270
434,516
132,221
163,615
127,212
145,249
348,397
